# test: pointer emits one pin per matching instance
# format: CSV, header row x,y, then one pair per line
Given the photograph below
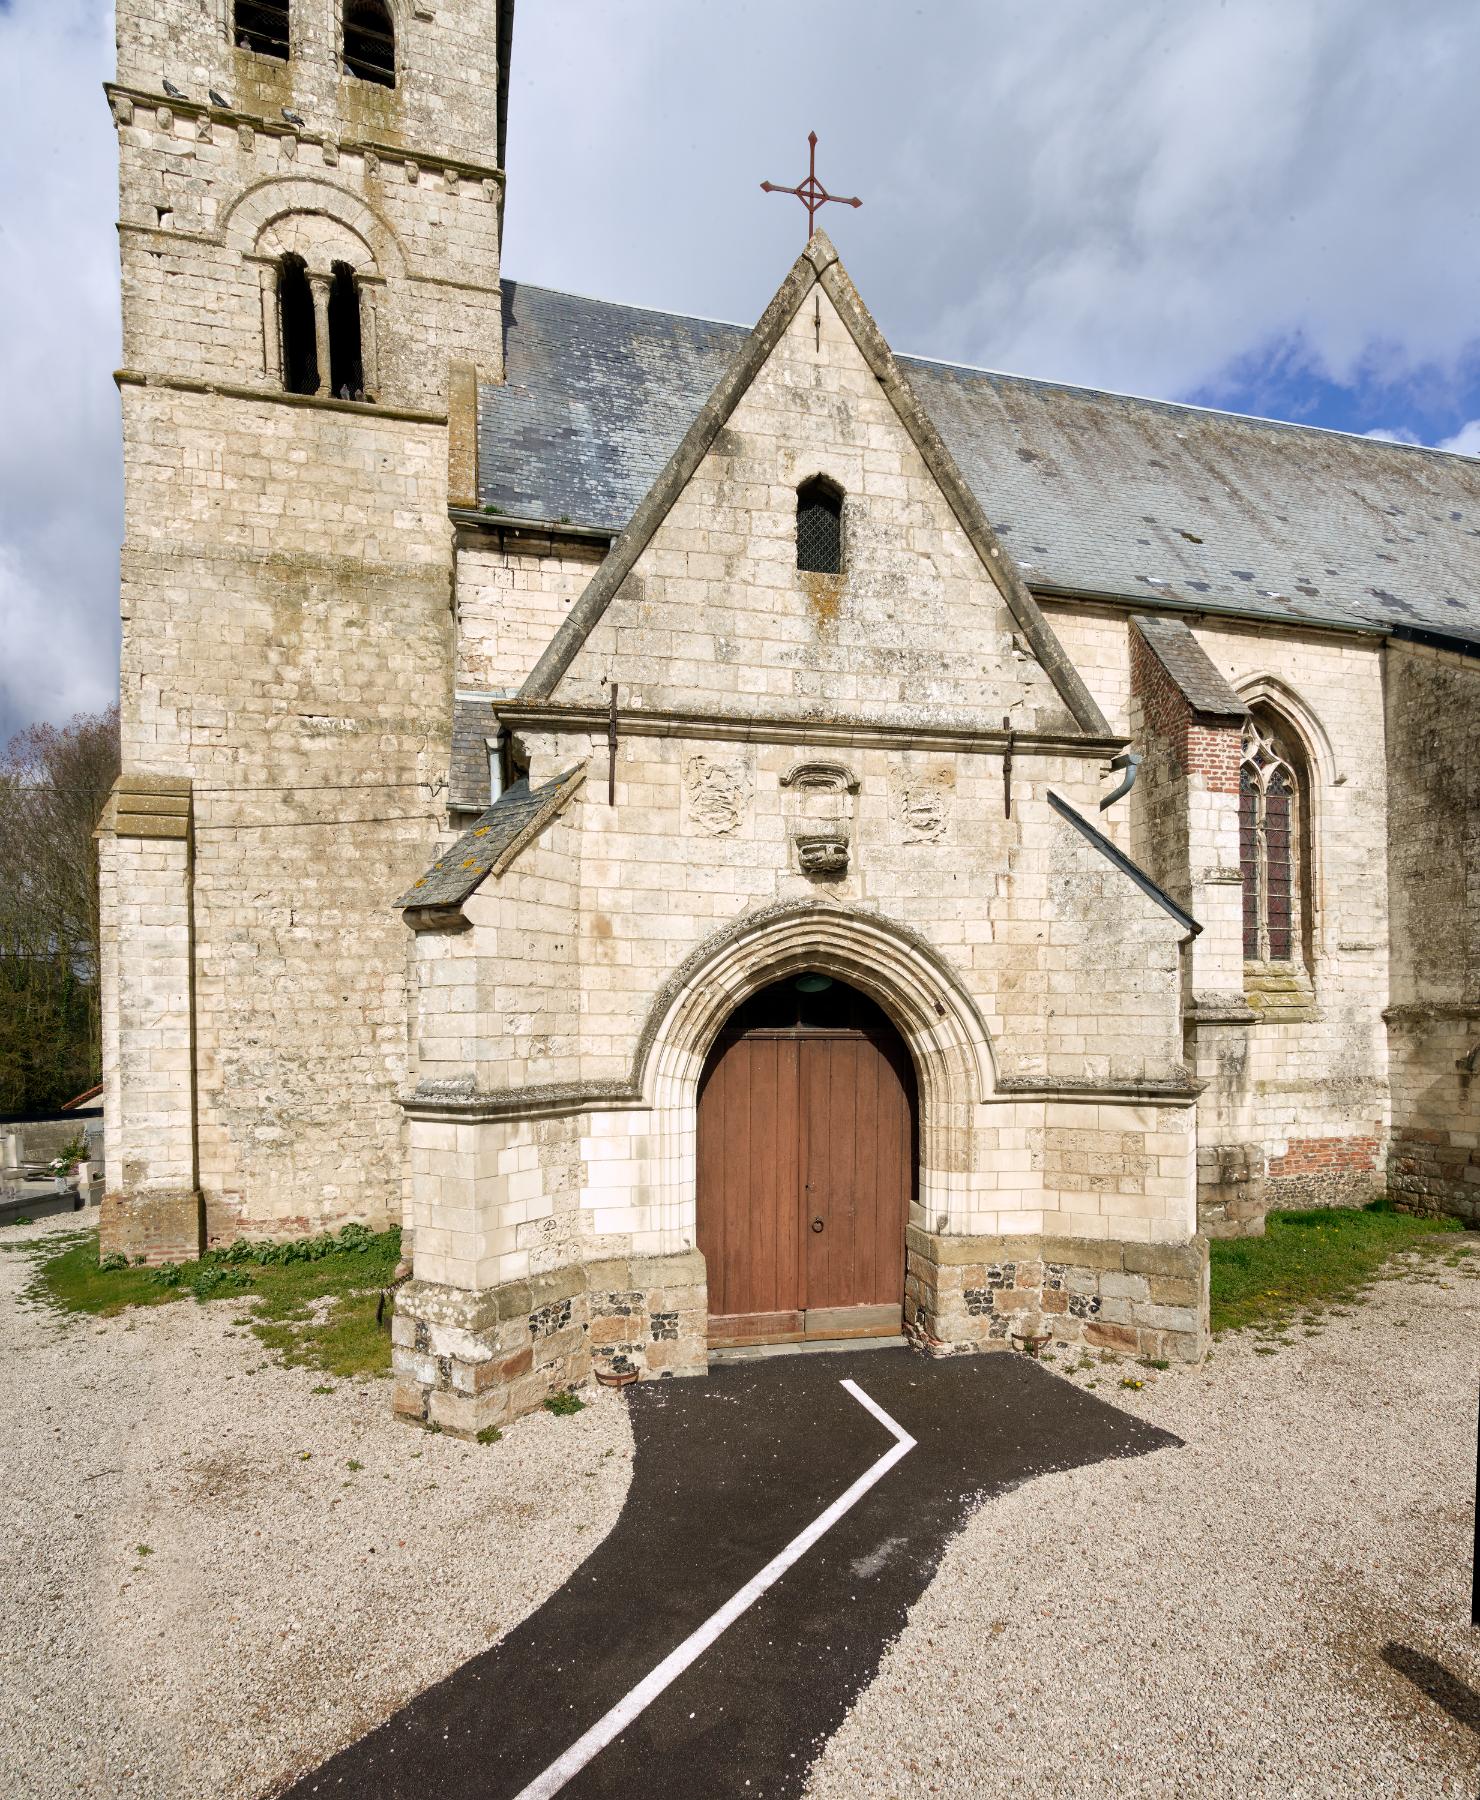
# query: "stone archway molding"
x,y
275,197
906,976
927,1002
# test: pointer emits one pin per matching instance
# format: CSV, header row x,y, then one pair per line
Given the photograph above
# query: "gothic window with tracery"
x,y
1272,832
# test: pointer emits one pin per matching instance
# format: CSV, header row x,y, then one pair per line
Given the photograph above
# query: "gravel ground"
x,y
1207,1621
287,1603
1211,1621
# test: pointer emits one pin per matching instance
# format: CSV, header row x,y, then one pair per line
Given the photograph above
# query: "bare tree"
x,y
54,781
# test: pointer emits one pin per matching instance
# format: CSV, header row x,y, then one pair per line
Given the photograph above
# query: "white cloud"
x,y
1123,195
1465,442
59,449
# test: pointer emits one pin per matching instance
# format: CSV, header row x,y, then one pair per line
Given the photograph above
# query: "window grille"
x,y
820,528
370,41
262,25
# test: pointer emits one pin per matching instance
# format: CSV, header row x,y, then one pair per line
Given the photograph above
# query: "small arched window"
x,y
820,526
1274,842
370,41
262,25
346,360
296,322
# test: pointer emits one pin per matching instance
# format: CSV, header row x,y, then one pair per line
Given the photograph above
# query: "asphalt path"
x,y
730,1471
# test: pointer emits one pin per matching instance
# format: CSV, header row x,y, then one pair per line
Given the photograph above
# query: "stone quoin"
x,y
526,698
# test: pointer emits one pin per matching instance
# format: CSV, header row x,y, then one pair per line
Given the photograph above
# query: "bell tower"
x,y
310,207
312,190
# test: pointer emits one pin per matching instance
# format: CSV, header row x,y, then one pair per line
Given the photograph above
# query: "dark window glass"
x,y
820,528
808,1003
369,41
346,369
1273,830
262,25
295,312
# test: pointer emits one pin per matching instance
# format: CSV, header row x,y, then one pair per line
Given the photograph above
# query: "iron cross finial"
x,y
811,192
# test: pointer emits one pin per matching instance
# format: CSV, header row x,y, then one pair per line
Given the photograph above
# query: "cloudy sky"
x,y
1265,205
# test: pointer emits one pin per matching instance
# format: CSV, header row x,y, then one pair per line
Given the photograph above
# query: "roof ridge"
x,y
920,359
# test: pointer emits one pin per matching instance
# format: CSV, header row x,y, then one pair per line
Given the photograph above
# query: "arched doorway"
x,y
807,1158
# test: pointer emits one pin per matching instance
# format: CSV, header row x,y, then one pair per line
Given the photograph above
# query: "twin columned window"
x,y
1274,842
820,527
319,318
369,35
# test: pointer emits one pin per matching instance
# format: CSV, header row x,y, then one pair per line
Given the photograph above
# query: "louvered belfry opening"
x,y
370,41
820,527
262,25
296,321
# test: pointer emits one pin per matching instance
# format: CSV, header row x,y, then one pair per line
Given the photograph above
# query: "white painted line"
x,y
615,1722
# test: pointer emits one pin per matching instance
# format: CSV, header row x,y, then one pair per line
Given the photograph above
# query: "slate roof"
x,y
1197,677
1093,492
518,814
473,724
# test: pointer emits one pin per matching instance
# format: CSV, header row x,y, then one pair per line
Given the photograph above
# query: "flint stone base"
x,y
157,1227
466,1360
1000,1293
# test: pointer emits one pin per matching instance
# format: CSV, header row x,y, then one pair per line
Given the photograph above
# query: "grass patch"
x,y
1327,1256
564,1403
312,1302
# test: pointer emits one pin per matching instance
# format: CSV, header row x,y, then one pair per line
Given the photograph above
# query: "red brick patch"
x,y
1323,1156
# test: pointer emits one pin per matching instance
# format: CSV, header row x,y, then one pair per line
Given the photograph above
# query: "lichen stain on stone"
x,y
824,597
367,108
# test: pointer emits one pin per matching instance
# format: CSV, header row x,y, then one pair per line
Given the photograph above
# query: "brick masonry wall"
x,y
1326,1172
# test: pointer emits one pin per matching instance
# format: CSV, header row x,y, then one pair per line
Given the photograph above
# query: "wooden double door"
x,y
806,1166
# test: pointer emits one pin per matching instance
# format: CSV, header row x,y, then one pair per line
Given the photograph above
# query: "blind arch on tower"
x,y
820,527
370,41
1275,857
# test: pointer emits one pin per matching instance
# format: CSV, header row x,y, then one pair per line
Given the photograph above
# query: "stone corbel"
x,y
821,815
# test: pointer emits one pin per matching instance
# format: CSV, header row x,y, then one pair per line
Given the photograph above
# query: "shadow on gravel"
x,y
728,1470
1436,1683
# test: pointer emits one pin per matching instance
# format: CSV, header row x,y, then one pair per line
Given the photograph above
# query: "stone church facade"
x,y
732,835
